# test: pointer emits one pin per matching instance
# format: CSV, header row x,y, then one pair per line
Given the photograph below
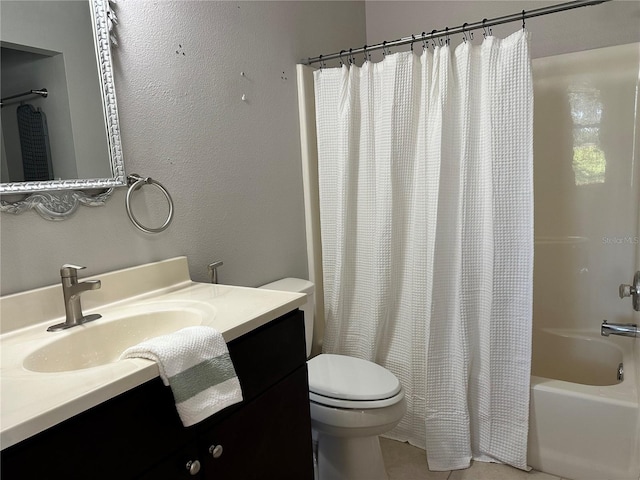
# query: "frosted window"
x,y
589,162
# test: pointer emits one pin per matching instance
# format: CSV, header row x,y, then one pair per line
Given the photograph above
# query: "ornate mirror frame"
x,y
57,199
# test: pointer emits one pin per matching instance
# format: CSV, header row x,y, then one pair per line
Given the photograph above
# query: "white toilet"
x,y
352,402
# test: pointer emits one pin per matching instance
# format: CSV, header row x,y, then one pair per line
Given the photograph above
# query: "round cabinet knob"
x,y
215,450
193,466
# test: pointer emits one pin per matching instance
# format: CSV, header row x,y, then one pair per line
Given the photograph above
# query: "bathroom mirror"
x,y
60,132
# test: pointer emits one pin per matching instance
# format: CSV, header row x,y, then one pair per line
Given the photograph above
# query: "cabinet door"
x,y
268,439
268,354
118,439
178,466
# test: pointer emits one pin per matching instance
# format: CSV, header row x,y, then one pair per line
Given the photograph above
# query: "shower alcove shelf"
x,y
138,434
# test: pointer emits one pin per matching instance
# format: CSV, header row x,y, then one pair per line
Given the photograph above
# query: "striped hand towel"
x,y
195,363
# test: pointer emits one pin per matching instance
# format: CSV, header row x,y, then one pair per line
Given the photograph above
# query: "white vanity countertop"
x,y
33,401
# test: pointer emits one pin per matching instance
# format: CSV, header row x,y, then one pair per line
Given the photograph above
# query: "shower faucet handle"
x,y
626,290
632,291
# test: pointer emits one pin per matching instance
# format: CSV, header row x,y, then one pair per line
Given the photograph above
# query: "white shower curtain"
x,y
426,208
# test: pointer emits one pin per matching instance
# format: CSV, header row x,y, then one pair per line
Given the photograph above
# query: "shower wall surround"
x,y
232,166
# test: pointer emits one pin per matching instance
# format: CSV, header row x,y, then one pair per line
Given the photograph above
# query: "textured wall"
x,y
232,166
614,23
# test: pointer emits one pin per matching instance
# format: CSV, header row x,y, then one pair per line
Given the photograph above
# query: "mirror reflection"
x,y
53,124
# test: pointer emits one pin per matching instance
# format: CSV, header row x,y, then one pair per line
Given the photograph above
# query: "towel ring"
x,y
136,182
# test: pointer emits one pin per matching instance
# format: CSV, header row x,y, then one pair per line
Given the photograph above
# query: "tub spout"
x,y
623,329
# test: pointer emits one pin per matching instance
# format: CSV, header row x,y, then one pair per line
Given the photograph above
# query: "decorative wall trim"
x,y
55,205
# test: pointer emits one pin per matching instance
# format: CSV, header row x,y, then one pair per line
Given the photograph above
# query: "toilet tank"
x,y
299,285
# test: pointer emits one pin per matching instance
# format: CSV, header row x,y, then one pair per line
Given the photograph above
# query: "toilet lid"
x,y
350,378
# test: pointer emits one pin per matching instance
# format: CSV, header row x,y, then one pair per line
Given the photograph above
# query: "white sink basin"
x,y
103,341
48,377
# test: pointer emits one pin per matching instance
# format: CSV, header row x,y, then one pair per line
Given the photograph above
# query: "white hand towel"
x,y
195,363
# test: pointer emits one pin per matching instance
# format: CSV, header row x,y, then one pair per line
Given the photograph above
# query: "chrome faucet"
x,y
71,289
624,329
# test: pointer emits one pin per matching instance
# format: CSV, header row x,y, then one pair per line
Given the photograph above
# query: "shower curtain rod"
x,y
466,27
42,92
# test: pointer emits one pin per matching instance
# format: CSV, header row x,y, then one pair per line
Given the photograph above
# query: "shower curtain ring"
x,y
341,61
384,48
447,40
433,41
487,31
320,61
351,59
425,44
413,39
464,33
365,53
523,19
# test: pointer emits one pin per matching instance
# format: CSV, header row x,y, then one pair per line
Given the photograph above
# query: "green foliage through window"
x,y
589,165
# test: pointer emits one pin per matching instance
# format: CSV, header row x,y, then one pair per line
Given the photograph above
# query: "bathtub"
x,y
584,423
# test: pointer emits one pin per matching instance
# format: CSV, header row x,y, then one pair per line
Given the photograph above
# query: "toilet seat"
x,y
347,382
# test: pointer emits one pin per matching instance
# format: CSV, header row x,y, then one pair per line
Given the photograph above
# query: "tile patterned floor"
x,y
406,462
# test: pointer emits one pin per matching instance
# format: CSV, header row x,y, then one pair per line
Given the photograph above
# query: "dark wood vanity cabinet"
x,y
138,434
